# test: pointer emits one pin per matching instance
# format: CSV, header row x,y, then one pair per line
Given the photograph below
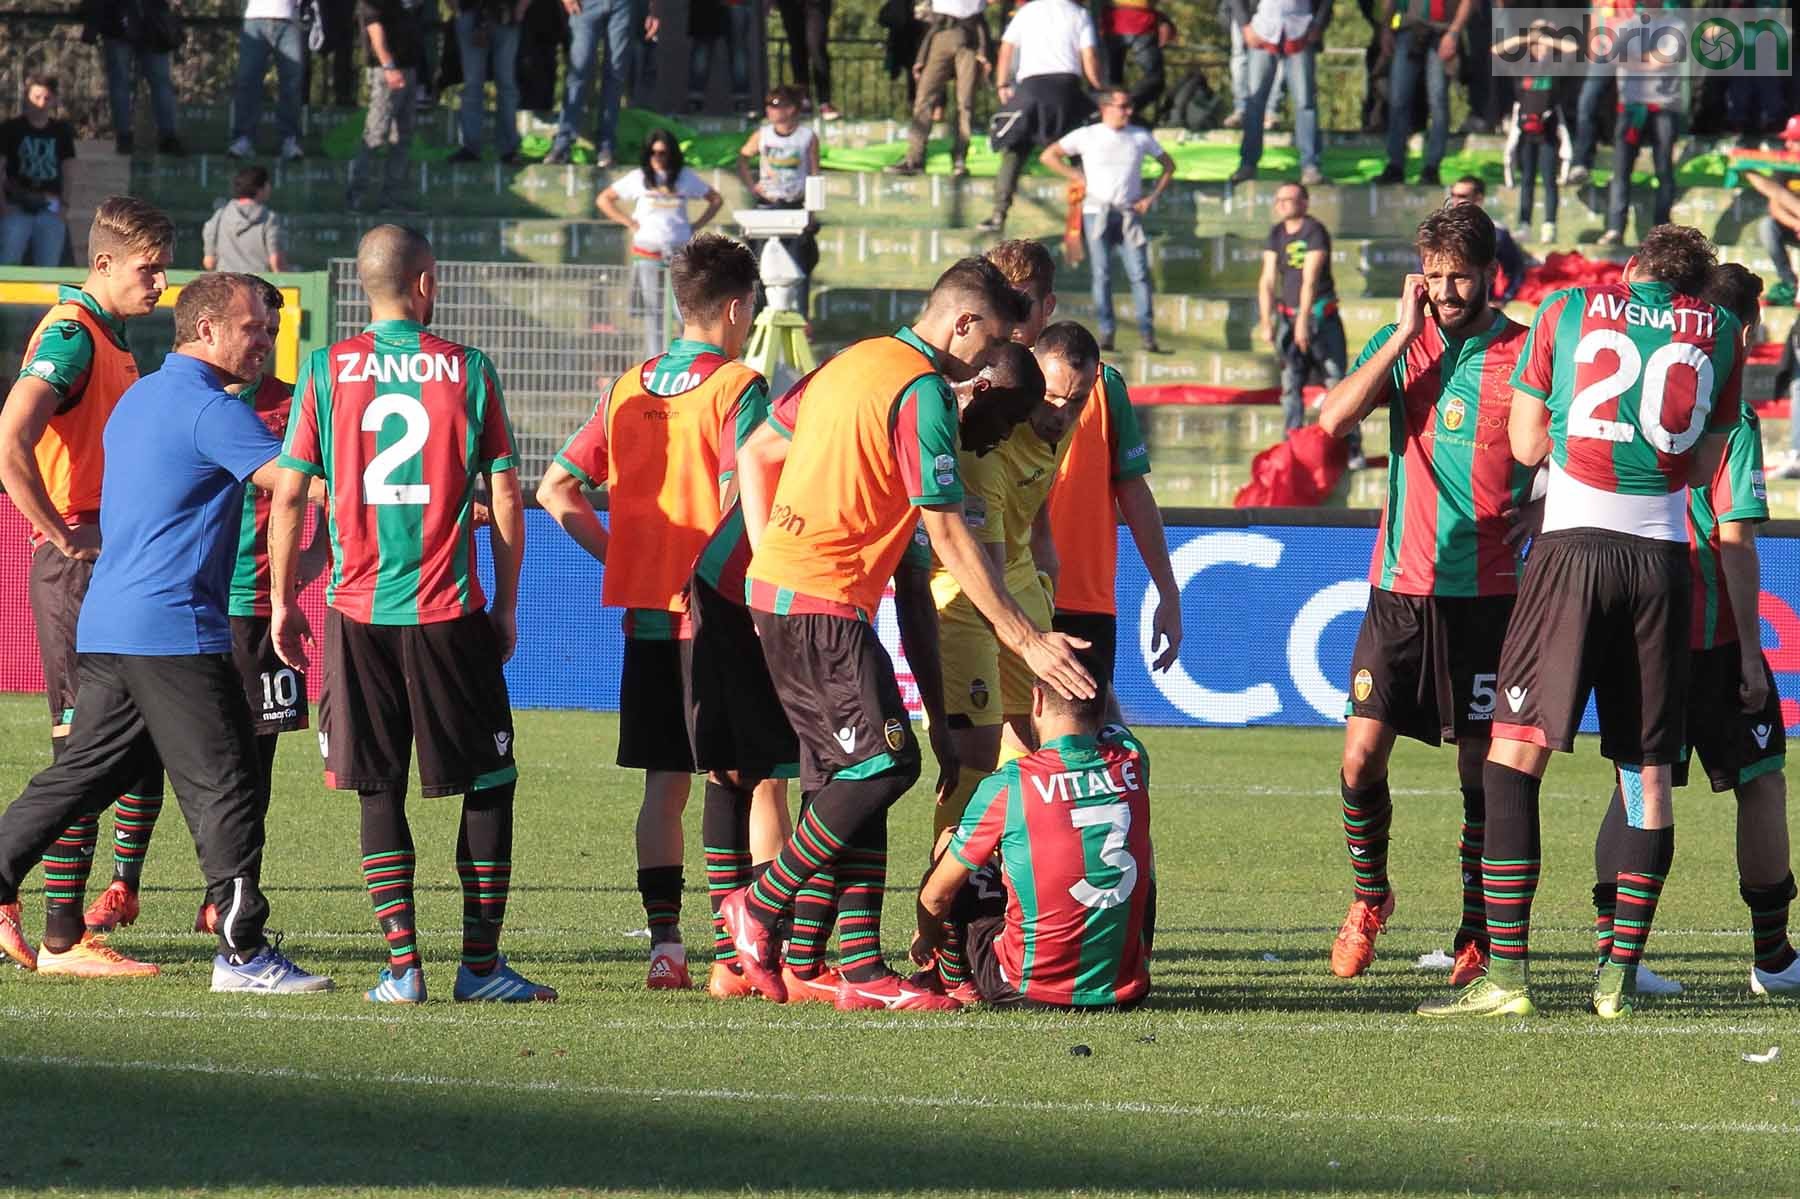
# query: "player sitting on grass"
x,y
664,443
1072,923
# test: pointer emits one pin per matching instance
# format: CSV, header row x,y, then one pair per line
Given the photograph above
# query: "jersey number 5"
x,y
1117,818
377,481
1655,379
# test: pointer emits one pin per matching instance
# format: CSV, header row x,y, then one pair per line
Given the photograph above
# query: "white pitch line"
x,y
1031,1024
814,1100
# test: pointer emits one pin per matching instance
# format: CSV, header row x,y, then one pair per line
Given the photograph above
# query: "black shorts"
x,y
734,717
1734,746
57,584
1042,109
276,691
652,721
439,684
1425,665
1101,631
838,689
1605,613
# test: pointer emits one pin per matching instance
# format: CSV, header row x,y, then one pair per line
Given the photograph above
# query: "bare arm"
x,y
278,262
1528,429
209,262
759,462
1043,547
608,203
1138,506
1705,463
1310,272
287,508
1054,158
1003,68
750,149
506,537
918,620
1358,393
560,494
23,419
1090,66
1265,298
937,894
1742,567
714,201
1051,656
378,42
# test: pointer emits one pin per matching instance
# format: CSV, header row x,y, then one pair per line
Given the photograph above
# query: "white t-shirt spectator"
x,y
662,213
271,10
1049,36
1112,163
960,9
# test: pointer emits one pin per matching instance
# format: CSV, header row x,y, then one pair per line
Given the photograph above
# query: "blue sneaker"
x,y
502,985
406,987
268,973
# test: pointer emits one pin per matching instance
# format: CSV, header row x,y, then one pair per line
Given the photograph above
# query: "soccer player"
x,y
153,644
664,443
881,444
1734,721
1071,924
1445,570
1628,389
52,460
400,425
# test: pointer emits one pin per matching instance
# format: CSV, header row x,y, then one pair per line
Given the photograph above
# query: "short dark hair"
x,y
1296,185
1473,181
1737,289
1015,381
210,295
786,95
271,294
126,224
977,284
1070,342
1027,265
1678,255
49,81
708,273
247,182
1089,713
1464,232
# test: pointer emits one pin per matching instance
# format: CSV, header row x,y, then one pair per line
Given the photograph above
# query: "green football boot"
x,y
1613,991
1483,997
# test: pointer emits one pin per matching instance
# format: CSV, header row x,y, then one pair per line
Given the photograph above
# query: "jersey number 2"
x,y
1655,377
1117,818
378,487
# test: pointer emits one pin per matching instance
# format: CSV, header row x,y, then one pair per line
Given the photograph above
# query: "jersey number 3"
x,y
1655,379
1117,818
377,481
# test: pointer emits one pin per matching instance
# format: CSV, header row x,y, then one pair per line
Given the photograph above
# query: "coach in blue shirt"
x,y
154,641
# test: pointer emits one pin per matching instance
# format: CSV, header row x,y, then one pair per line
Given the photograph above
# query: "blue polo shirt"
x,y
178,449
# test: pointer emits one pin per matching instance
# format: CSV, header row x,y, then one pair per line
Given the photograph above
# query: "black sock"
x,y
1643,868
265,760
660,888
725,836
1609,859
1510,861
484,867
1468,856
1769,924
388,864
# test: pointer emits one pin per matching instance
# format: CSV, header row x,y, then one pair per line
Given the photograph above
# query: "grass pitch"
x,y
1251,1069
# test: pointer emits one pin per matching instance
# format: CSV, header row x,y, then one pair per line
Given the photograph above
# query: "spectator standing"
x,y
1283,33
1779,230
1240,74
807,25
1507,255
1484,90
244,234
957,43
1047,52
1652,108
593,25
659,193
393,35
1591,101
1537,142
710,23
1787,383
1133,32
786,152
34,217
487,38
271,29
1426,37
1113,206
1298,308
135,39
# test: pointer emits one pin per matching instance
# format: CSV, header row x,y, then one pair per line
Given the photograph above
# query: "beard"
x,y
1460,317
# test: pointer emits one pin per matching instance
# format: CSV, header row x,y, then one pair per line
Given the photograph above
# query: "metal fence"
x,y
556,334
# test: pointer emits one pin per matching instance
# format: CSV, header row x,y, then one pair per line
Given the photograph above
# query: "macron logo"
x,y
1515,697
846,738
1761,733
501,742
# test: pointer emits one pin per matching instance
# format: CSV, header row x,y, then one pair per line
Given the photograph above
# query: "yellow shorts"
x,y
970,655
1016,680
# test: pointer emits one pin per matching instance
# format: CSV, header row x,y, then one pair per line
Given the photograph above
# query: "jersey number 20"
x,y
377,481
1655,379
1117,818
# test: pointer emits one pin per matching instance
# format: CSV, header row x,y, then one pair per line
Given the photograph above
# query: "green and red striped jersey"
x,y
400,424
1071,823
1634,375
1737,492
1451,474
272,400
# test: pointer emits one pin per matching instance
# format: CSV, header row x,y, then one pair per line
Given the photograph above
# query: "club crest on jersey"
x,y
1453,414
1363,686
978,692
42,369
895,733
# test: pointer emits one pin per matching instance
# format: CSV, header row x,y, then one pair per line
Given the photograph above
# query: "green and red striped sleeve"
x,y
584,454
304,449
1131,457
1537,361
749,410
63,358
1738,491
496,449
924,436
977,838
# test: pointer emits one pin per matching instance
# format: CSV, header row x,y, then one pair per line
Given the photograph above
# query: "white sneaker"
x,y
1649,982
241,148
268,973
1547,233
1782,985
290,149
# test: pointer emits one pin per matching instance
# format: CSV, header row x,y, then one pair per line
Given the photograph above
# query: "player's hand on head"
x,y
1051,657
291,633
1410,317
